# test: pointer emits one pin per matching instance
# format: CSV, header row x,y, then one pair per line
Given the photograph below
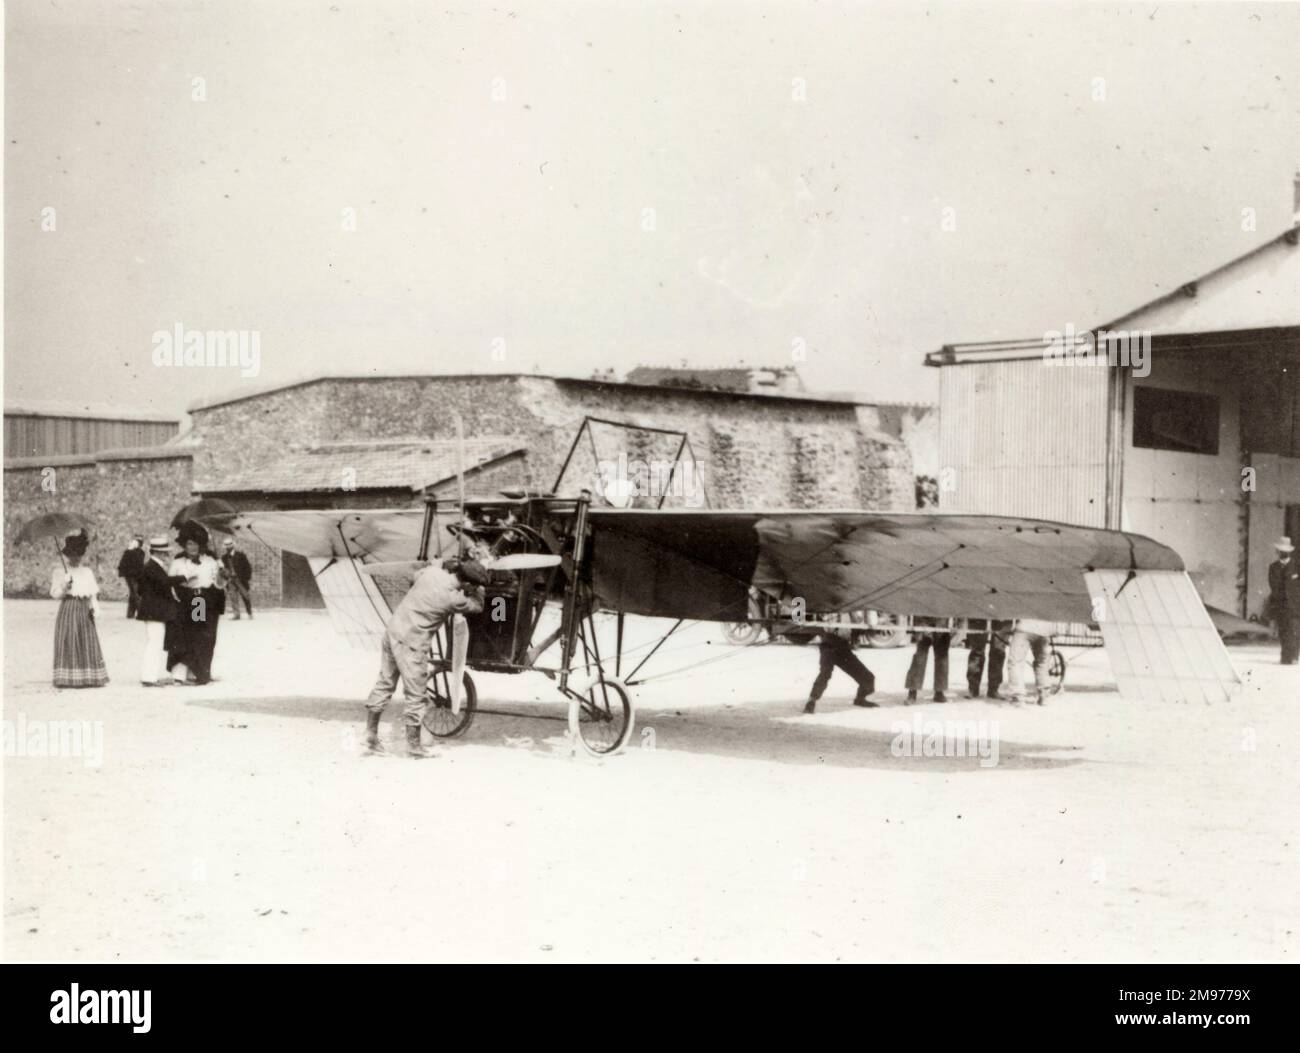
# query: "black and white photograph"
x,y
652,482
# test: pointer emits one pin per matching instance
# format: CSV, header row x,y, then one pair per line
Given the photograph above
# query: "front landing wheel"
x,y
439,720
601,718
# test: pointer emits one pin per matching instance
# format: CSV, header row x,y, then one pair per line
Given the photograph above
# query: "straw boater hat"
x,y
160,543
1284,546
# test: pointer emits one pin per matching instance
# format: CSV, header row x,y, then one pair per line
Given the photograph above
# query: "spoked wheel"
x,y
602,718
439,720
1056,673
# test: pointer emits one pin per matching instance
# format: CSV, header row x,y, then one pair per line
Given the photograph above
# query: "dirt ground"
x,y
241,822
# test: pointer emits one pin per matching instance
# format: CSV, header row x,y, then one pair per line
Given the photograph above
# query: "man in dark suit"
x,y
1284,599
239,576
157,609
128,569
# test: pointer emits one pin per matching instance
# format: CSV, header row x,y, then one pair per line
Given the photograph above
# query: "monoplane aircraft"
x,y
584,557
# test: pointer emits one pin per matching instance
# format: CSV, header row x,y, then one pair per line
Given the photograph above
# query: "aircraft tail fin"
x,y
356,604
1159,636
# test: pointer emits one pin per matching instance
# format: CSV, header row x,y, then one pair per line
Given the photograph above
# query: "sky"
x,y
568,187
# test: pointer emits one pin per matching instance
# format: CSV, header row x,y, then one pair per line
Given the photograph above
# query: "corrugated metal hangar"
x,y
51,429
1179,420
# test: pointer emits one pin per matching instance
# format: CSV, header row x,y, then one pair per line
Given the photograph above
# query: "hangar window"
x,y
1186,421
1270,400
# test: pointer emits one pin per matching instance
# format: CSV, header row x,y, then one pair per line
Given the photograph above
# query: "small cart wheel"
x,y
1056,673
887,636
742,634
439,720
601,718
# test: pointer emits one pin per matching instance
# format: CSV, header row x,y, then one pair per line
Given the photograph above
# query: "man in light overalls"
x,y
438,592
1031,637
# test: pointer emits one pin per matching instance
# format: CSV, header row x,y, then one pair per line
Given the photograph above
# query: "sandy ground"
x,y
240,821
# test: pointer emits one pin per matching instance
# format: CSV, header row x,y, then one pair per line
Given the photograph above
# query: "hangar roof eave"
x,y
1257,291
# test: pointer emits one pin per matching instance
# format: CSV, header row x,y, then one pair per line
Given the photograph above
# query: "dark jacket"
x,y
238,567
157,603
131,563
1284,588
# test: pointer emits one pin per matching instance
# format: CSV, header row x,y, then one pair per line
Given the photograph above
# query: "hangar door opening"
x,y
297,580
298,583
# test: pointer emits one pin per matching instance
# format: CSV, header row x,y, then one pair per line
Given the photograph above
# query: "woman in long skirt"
x,y
192,638
78,660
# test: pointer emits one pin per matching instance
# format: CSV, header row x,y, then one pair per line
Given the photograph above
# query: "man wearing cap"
x,y
239,575
1284,599
438,592
157,609
128,569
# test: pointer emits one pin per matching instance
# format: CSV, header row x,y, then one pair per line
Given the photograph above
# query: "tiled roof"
x,y
389,465
165,452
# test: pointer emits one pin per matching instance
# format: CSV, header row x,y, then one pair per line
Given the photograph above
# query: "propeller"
x,y
515,562
524,561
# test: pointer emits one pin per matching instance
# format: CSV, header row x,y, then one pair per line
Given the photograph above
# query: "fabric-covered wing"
x,y
380,535
702,564
947,566
674,564
337,543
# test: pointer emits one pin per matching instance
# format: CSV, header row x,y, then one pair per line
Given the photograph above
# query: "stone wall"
x,y
241,434
752,451
885,479
121,493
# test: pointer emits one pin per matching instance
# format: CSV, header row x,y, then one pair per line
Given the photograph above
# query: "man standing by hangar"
x,y
1284,599
438,592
